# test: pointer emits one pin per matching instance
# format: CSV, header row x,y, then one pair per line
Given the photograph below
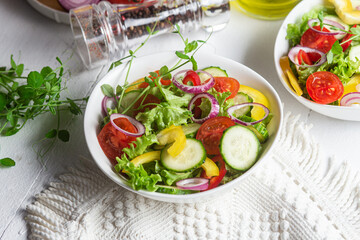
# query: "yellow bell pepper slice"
x,y
146,158
135,85
289,76
175,135
210,168
257,112
347,11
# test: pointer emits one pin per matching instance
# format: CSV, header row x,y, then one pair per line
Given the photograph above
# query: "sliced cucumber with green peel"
x,y
214,71
191,129
242,98
259,129
239,147
191,157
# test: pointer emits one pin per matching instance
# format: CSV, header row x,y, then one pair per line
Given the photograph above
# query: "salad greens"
x,y
149,161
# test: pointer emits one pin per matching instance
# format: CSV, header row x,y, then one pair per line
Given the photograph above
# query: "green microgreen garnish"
x,y
22,98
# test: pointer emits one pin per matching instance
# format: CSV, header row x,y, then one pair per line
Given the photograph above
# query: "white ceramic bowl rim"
x,y
243,70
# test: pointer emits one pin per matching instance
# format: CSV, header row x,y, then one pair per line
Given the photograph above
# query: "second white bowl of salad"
x,y
184,138
317,57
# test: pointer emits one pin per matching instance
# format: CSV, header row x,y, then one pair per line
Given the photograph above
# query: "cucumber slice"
x,y
239,147
214,71
191,129
259,129
128,99
191,157
174,190
242,98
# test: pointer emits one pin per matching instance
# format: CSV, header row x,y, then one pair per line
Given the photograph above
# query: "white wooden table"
x,y
37,41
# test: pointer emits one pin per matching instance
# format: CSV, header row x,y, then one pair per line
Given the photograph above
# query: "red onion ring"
x,y
350,98
104,104
327,22
214,106
70,4
231,110
138,125
295,51
197,184
194,89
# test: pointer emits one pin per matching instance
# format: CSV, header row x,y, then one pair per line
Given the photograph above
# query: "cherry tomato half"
x,y
316,40
324,87
307,58
211,131
215,181
112,141
227,84
193,77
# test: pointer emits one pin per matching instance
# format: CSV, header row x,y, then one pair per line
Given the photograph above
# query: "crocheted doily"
x,y
290,197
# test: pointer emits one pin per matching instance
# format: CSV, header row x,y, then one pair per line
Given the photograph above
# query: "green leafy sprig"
x,y
22,98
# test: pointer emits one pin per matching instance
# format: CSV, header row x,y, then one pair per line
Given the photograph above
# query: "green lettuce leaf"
x,y
138,177
140,146
224,104
174,100
162,116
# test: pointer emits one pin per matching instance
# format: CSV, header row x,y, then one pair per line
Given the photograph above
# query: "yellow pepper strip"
x,y
346,10
135,85
257,112
175,135
210,168
146,158
289,76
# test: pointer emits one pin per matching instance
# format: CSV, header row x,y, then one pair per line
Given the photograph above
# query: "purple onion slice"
x,y
327,22
196,184
214,106
193,89
232,109
350,99
295,51
138,125
70,4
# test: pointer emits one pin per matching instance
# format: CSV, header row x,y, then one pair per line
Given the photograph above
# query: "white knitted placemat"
x,y
289,197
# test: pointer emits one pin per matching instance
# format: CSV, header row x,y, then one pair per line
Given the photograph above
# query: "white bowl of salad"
x,y
317,57
172,139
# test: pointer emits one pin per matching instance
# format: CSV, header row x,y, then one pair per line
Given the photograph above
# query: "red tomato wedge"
x,y
193,77
227,84
324,87
215,181
303,58
113,141
316,40
211,132
345,42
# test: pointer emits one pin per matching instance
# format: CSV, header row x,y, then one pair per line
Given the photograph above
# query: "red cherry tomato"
x,y
303,58
125,1
211,131
163,81
316,40
193,77
227,84
307,58
324,87
345,42
112,141
215,181
149,99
